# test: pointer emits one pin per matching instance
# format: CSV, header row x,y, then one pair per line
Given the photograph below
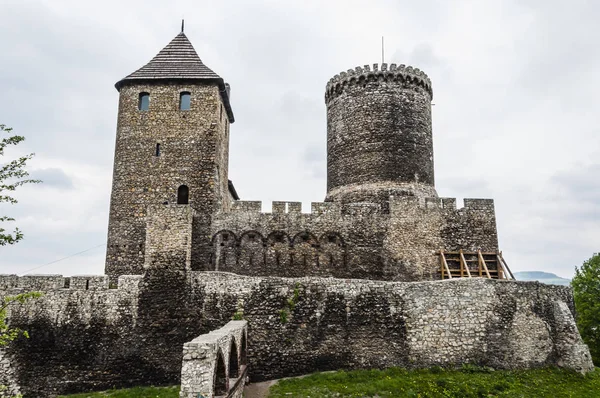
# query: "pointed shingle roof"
x,y
178,61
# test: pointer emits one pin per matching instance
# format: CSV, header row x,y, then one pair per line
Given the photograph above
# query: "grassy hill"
x,y
137,392
543,277
468,382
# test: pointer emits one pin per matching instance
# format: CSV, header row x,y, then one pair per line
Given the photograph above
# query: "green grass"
x,y
468,382
137,392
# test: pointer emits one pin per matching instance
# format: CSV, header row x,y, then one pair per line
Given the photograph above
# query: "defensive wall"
x,y
102,338
76,327
398,241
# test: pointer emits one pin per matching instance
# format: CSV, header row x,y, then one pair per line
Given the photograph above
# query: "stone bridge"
x,y
215,364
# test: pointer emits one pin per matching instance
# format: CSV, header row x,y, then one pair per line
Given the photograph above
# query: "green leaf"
x,y
12,176
586,292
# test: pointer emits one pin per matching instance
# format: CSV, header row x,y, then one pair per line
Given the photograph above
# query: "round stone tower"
x,y
379,139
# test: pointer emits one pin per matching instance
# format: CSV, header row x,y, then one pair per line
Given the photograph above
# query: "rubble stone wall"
x,y
379,136
301,325
84,340
9,386
82,334
215,360
353,240
193,151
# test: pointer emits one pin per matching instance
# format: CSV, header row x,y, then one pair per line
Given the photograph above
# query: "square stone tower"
x,y
171,147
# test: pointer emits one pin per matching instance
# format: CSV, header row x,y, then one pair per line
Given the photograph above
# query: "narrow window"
x,y
183,193
221,114
157,153
144,102
185,101
87,284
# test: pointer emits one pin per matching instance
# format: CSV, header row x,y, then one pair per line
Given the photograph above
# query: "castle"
x,y
381,219
382,273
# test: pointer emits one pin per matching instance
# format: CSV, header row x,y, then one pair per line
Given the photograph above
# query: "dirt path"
x,y
261,390
258,390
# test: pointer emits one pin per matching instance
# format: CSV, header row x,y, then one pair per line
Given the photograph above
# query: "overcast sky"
x,y
515,118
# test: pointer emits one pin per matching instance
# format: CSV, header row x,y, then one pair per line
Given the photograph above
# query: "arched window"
x,y
144,102
220,380
183,195
185,101
234,369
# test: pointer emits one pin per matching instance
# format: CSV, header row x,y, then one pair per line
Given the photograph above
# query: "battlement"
x,y
60,282
442,203
252,206
283,207
365,73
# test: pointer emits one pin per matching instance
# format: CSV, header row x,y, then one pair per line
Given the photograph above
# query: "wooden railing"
x,y
469,264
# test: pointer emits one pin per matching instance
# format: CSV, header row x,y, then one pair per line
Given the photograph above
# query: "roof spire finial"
x,y
182,24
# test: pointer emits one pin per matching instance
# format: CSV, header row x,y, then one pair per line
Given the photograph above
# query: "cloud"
x,y
314,159
52,177
580,184
514,82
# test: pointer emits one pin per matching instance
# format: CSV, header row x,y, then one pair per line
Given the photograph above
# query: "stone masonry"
x,y
98,339
381,219
215,363
163,148
379,138
350,240
354,283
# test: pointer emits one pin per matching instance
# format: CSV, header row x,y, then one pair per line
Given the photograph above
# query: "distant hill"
x,y
544,277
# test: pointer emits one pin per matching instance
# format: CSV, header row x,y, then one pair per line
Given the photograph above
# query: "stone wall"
x,y
82,334
419,228
194,151
379,137
169,236
298,326
85,340
353,240
215,363
9,385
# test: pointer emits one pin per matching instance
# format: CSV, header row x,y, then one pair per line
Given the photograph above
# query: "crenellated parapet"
x,y
355,239
46,283
441,203
421,227
252,206
359,75
283,207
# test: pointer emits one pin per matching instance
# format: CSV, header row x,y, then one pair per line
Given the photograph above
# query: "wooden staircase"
x,y
463,264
